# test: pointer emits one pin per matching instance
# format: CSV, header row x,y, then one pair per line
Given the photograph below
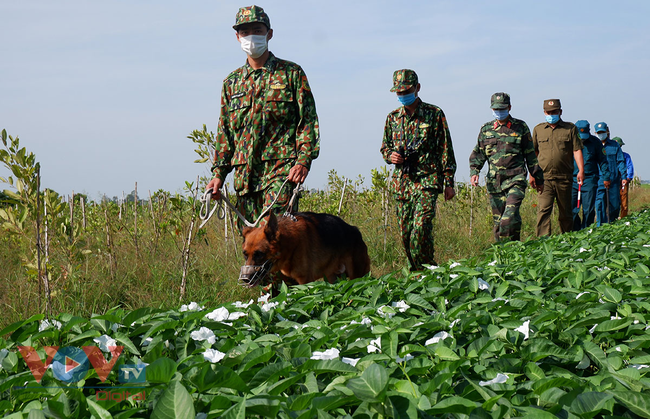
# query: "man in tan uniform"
x,y
556,144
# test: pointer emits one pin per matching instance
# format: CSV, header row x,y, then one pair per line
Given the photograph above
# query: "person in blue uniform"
x,y
596,167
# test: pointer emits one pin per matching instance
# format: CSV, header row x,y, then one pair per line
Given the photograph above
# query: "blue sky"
x,y
105,93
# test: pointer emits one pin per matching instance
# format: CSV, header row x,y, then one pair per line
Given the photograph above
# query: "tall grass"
x,y
109,263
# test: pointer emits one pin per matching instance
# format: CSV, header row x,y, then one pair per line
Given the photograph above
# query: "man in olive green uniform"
x,y
506,144
417,140
557,145
268,127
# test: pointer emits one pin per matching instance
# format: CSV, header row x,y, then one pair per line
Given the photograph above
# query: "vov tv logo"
x,y
70,364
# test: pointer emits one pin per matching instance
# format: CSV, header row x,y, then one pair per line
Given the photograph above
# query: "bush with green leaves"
x,y
555,327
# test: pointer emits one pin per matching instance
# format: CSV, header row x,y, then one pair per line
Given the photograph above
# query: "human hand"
x,y
607,183
449,193
215,185
624,182
396,158
580,176
474,180
298,173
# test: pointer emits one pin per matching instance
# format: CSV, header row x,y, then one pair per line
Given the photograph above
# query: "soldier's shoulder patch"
x,y
237,95
424,125
278,86
604,151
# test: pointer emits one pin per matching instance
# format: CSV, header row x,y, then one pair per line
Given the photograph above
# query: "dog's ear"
x,y
245,231
271,228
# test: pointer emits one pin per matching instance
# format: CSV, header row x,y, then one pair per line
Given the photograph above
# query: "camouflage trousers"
x,y
505,212
415,216
252,204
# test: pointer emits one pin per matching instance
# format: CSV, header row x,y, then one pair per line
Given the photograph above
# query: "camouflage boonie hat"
x,y
500,100
600,127
404,80
252,14
619,140
583,129
552,105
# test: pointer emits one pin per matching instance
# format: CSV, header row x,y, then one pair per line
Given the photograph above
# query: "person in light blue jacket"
x,y
630,176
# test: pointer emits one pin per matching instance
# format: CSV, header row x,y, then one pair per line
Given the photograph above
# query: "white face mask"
x,y
254,45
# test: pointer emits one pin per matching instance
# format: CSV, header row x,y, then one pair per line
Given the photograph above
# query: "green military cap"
x,y
500,100
251,14
552,105
619,140
404,80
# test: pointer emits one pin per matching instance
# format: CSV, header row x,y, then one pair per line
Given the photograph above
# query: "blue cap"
x,y
583,129
600,127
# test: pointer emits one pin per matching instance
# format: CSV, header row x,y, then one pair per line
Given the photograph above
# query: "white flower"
x,y
385,312
191,307
239,304
116,326
627,223
204,334
639,366
46,324
499,379
494,262
454,323
236,315
146,342
375,345
525,329
418,324
482,284
614,317
401,306
269,306
264,298
593,328
104,342
500,299
618,349
325,355
582,249
437,338
350,361
213,355
453,265
169,345
218,315
432,267
399,359
453,276
581,294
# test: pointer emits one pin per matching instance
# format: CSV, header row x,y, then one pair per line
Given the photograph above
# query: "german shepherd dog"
x,y
304,247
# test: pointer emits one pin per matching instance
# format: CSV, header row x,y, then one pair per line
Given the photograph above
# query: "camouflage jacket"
x,y
268,123
509,150
424,137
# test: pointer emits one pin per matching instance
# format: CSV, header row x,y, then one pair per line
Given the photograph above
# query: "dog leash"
x,y
206,212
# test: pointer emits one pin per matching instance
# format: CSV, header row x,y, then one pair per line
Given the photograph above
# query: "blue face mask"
x,y
602,136
500,114
406,99
552,119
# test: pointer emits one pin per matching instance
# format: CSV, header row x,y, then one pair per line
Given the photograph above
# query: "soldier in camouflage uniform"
x,y
506,144
417,140
268,127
